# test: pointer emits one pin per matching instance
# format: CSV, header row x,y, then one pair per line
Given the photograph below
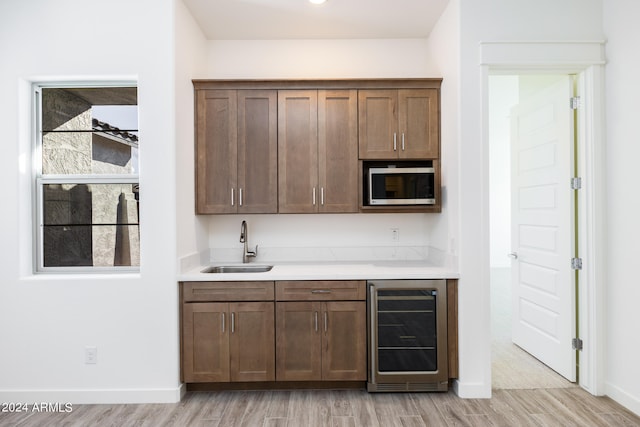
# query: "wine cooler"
x,y
407,333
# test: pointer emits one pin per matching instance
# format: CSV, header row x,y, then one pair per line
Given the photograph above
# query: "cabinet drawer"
x,y
330,290
227,291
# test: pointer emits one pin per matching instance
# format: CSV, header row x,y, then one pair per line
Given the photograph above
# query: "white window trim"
x,y
39,181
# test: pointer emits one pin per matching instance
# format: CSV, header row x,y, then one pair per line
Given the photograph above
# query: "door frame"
x,y
586,61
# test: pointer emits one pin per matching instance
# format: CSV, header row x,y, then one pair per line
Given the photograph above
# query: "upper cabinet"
x,y
236,151
399,124
299,146
317,151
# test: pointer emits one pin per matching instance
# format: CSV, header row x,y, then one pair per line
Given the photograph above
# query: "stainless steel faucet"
x,y
244,232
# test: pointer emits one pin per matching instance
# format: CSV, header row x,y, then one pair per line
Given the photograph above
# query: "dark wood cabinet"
x,y
319,339
297,146
399,124
317,151
228,341
297,151
338,151
236,151
205,353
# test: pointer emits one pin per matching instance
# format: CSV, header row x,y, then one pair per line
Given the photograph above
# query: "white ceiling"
x,y
299,19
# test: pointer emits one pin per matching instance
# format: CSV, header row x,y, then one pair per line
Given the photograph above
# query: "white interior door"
x,y
542,227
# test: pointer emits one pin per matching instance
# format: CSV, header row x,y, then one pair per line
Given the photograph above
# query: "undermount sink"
x,y
238,269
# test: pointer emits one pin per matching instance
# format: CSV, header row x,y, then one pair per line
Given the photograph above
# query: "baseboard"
x,y
93,396
627,400
471,390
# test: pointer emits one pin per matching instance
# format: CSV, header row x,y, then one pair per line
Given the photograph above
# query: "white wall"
x,y
443,48
623,205
327,59
47,320
484,21
190,53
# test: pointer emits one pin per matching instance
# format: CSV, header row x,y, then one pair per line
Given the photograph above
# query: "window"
x,y
87,204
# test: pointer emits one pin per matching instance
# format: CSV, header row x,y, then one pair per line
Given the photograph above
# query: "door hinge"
x,y
576,344
576,263
576,183
574,102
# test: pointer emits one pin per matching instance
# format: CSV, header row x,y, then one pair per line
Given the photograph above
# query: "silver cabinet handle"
x,y
513,255
233,199
395,144
322,196
240,198
402,141
313,192
316,320
233,323
326,322
321,291
222,322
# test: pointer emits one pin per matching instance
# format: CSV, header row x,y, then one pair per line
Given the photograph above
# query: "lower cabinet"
x,y
321,341
282,331
321,331
228,342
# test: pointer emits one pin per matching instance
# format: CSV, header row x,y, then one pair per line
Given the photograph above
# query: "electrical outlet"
x,y
91,355
395,234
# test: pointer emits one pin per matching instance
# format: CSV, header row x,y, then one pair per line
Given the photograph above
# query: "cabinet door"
x,y
205,337
216,151
298,341
344,352
252,341
419,124
338,150
378,124
257,151
297,151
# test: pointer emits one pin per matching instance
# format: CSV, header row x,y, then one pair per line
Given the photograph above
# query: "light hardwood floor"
x,y
509,408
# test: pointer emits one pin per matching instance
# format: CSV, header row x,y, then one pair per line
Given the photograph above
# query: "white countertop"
x,y
328,271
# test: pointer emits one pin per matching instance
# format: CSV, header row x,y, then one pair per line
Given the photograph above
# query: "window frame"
x,y
39,180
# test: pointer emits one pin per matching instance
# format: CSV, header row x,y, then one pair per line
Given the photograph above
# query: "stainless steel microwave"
x,y
401,186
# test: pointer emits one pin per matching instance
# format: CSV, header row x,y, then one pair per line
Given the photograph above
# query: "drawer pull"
x,y
321,291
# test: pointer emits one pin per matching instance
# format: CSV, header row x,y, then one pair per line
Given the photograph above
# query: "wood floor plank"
x,y
585,405
456,411
276,422
320,410
385,412
363,408
620,420
299,404
427,410
214,403
337,421
256,409
234,411
340,404
412,421
279,405
503,403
